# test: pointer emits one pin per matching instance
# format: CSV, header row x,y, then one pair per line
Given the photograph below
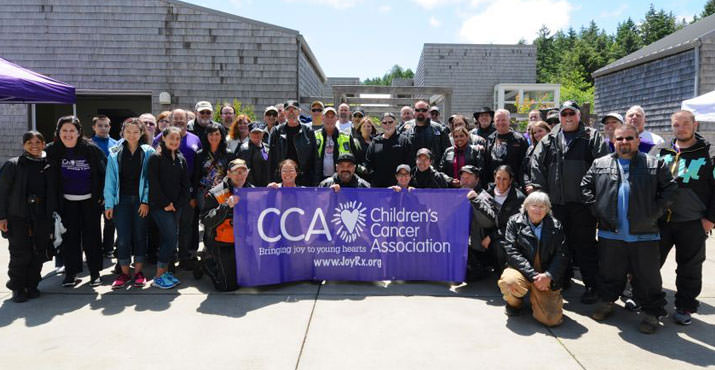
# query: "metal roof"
x,y
682,40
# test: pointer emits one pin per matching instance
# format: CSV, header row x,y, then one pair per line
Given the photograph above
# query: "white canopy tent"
x,y
702,106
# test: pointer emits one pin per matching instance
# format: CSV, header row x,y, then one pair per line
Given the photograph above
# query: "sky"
x,y
365,38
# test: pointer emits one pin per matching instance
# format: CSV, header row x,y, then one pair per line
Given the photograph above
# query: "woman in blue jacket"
x,y
126,198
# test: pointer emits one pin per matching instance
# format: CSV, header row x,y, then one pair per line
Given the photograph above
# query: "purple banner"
x,y
299,234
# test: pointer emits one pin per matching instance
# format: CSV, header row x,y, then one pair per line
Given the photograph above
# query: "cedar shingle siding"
x,y
473,70
194,53
659,86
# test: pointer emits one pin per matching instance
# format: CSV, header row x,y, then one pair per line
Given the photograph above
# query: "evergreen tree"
x,y
709,9
656,25
627,39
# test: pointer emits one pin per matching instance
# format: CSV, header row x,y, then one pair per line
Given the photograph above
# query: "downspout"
x,y
297,69
696,85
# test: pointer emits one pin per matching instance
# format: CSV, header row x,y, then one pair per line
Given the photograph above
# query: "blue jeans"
x,y
131,230
168,225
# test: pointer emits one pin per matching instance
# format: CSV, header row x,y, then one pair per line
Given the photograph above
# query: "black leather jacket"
x,y
305,147
473,154
430,178
652,191
556,168
520,244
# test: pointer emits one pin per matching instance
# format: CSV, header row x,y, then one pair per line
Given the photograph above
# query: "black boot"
x,y
33,292
19,296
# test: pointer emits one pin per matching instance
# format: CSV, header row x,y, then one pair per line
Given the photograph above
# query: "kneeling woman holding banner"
x,y
219,258
536,261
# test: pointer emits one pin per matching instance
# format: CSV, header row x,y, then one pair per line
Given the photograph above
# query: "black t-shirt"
x,y
291,132
569,136
130,172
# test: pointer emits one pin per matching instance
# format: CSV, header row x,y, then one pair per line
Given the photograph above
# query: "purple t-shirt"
x,y
76,173
190,145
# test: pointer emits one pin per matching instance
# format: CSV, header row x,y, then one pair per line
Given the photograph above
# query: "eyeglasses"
x,y
567,113
627,138
421,110
387,122
317,110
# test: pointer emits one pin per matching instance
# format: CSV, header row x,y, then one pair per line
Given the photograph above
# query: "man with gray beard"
x,y
204,112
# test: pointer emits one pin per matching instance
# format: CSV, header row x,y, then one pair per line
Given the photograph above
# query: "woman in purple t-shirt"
x,y
78,172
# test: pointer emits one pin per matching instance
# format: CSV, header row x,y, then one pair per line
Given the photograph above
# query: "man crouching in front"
x,y
536,260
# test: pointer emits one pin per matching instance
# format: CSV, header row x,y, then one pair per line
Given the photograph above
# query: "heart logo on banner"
x,y
350,219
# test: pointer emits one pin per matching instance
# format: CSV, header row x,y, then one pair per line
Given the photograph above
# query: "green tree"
x,y
546,63
709,9
386,80
627,39
238,106
656,25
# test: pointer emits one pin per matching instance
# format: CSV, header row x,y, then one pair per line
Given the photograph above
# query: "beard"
x,y
204,122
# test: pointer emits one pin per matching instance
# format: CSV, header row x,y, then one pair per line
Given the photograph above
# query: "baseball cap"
x,y
256,128
237,163
317,102
614,115
330,109
552,117
346,157
434,108
359,111
270,108
402,167
469,169
424,151
203,105
291,103
569,104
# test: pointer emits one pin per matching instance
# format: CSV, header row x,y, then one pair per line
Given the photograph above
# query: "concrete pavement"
x,y
333,325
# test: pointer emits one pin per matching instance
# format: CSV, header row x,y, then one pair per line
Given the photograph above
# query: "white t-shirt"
x,y
345,127
328,160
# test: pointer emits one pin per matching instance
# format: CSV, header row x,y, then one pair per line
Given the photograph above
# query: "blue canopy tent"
x,y
23,86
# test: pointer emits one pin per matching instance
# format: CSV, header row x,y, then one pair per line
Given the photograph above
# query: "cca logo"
x,y
318,225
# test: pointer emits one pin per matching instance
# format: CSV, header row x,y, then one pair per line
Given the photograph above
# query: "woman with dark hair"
x,y
26,203
507,200
211,164
288,169
126,198
77,169
238,133
462,153
169,195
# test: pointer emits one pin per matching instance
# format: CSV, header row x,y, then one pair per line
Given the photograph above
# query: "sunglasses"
x,y
421,110
567,113
387,122
205,112
272,114
626,138
317,110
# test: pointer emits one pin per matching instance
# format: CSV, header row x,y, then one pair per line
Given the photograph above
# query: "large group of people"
x,y
558,198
